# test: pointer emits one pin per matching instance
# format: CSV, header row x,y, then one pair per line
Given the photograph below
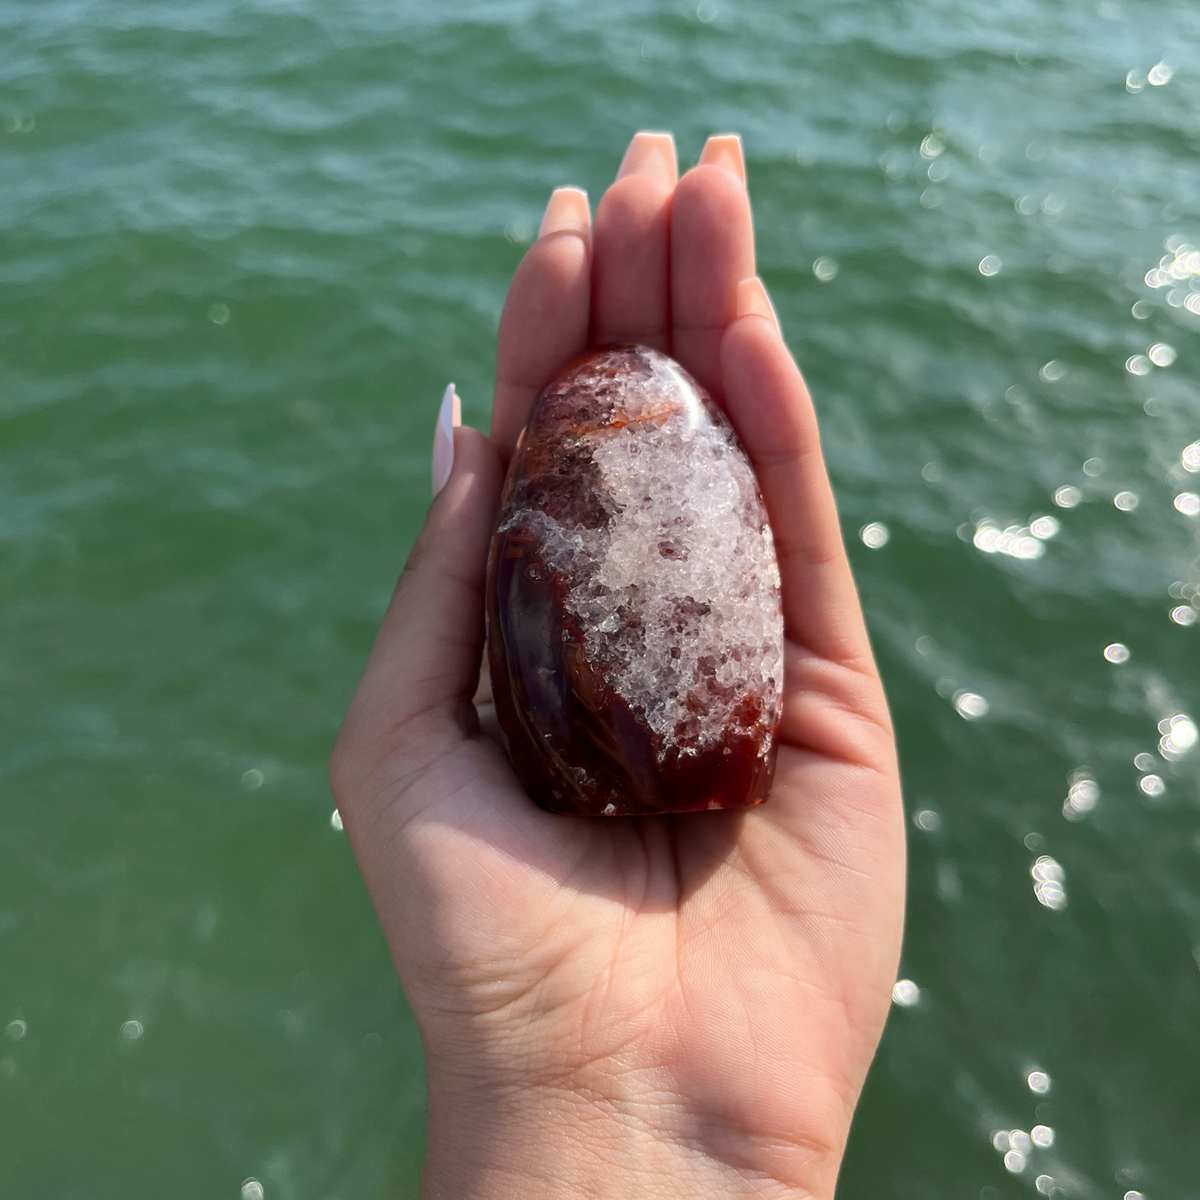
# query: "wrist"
x,y
530,1142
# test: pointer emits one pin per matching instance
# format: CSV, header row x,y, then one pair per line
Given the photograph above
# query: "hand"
x,y
657,1006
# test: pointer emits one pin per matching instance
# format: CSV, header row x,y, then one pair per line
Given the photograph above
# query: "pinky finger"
x,y
770,407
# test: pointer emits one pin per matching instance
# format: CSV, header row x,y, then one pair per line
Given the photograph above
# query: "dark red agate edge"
x,y
563,721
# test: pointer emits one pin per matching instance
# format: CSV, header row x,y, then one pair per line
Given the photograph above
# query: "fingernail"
x,y
724,150
651,154
567,212
752,300
449,419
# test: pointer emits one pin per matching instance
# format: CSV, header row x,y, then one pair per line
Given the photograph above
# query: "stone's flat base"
x,y
635,627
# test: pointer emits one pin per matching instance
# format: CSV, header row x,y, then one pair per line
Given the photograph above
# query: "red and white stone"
x,y
635,627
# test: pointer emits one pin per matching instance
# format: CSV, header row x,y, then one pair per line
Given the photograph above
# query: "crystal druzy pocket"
x,y
634,619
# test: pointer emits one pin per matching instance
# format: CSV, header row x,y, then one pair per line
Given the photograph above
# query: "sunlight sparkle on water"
x,y
1180,264
1152,785
1190,458
1044,1183
1039,1081
1081,799
1179,736
1053,371
1042,1135
1068,496
1116,653
252,1190
1017,541
875,535
1185,614
990,265
1019,1141
1126,501
970,706
335,821
825,269
1187,503
1049,886
905,993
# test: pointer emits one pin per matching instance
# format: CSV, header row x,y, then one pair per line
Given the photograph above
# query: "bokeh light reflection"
x,y
1042,1136
1081,798
970,705
1016,541
1049,886
1039,1081
875,535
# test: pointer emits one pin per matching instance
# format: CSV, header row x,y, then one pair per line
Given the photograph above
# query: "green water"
x,y
244,245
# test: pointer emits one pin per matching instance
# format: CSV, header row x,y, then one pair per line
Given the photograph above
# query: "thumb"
x,y
415,692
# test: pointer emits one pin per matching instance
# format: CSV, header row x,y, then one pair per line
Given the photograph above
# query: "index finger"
x,y
544,325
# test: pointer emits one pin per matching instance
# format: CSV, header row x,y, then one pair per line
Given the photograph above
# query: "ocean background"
x,y
243,246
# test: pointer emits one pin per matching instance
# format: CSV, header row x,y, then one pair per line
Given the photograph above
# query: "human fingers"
x,y
712,249
631,256
544,324
769,404
414,695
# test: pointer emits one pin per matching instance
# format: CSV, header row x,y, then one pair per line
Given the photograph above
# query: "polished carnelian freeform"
x,y
634,620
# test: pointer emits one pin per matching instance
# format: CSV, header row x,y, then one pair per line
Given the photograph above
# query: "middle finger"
x,y
631,240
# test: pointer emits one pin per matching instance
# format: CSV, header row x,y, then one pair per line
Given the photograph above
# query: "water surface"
x,y
242,248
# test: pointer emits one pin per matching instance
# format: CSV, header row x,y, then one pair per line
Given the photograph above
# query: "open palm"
x,y
688,998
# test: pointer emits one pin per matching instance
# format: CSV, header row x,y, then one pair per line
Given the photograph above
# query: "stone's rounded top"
x,y
619,385
635,622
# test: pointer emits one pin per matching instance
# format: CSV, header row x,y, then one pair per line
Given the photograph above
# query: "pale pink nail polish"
x,y
651,154
752,300
724,150
567,212
449,419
